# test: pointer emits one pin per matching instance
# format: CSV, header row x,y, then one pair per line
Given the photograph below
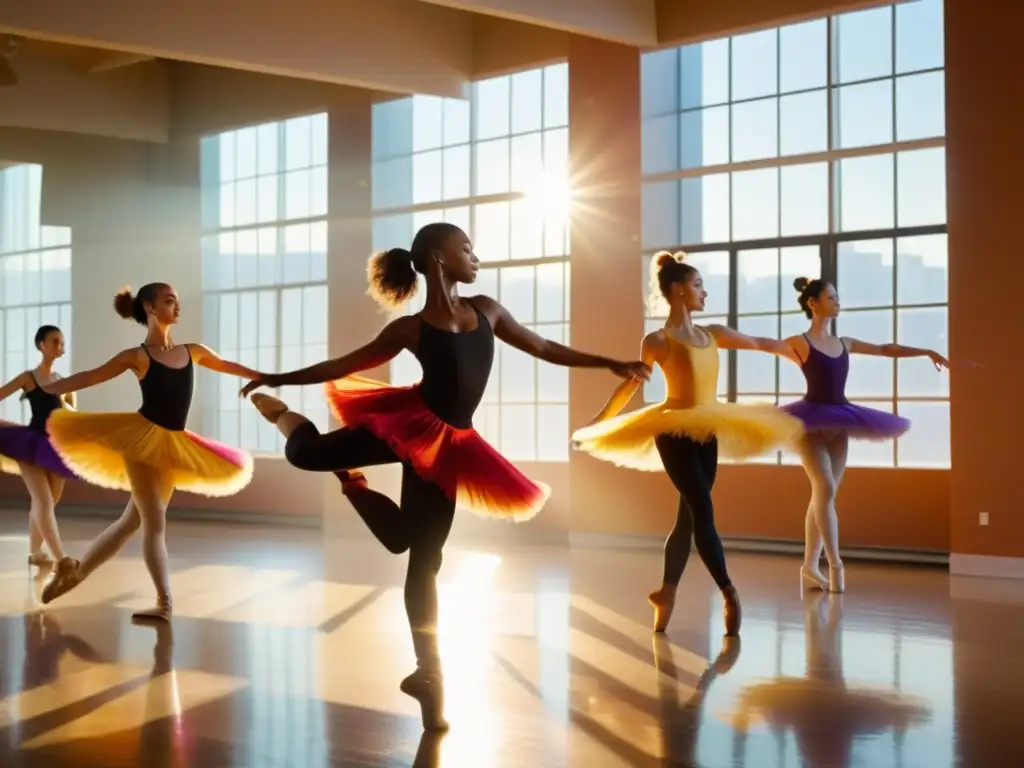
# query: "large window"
x,y
497,166
35,280
264,267
815,149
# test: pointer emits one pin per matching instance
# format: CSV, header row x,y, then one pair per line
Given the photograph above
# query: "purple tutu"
x,y
854,420
20,444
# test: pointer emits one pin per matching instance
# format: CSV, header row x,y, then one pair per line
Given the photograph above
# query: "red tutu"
x,y
460,461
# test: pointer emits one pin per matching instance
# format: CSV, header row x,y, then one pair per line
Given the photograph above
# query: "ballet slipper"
x,y
427,687
270,407
664,602
836,578
65,577
812,578
160,612
733,611
40,560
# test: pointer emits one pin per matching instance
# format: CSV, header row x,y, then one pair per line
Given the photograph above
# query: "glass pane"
x,y
865,273
492,167
862,115
924,329
714,269
920,106
704,209
491,231
456,173
660,214
919,36
704,74
866,193
927,442
518,376
755,65
518,432
297,203
755,371
863,44
871,453
527,230
791,377
804,199
245,153
491,102
922,187
527,101
659,143
553,433
551,293
755,130
922,270
527,162
704,137
803,123
757,282
426,177
298,138
427,122
319,149
556,96
869,376
391,123
659,82
755,204
803,54
797,261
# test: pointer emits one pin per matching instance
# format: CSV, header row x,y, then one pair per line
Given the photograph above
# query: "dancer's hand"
x,y
938,361
632,370
268,380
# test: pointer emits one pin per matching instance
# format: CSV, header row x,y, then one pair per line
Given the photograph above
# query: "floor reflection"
x,y
292,657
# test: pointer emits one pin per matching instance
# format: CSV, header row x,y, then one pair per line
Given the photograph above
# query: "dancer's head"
x,y
676,283
440,251
155,304
817,297
50,341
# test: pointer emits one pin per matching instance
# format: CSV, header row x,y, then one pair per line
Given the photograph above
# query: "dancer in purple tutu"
x,y
831,420
27,451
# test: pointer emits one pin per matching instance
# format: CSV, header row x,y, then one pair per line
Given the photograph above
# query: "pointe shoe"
x,y
270,407
427,687
65,577
40,560
836,578
664,602
160,612
733,611
812,578
350,479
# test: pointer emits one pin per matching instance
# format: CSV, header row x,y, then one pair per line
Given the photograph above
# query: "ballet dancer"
x,y
685,434
148,452
428,427
830,420
27,451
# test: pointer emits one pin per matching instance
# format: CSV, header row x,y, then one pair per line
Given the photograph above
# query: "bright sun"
x,y
550,193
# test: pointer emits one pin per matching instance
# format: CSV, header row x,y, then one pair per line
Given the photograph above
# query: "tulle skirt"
x,y
21,445
854,420
743,432
97,445
459,461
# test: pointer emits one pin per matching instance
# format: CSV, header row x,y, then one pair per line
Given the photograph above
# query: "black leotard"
x,y
42,404
167,393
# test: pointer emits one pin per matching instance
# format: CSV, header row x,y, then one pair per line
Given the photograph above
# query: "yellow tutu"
x,y
692,410
743,431
96,446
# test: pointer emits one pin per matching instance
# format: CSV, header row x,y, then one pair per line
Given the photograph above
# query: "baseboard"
x,y
196,514
776,546
986,565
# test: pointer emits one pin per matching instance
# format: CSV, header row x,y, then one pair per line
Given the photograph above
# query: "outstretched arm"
x,y
12,386
515,335
389,342
115,366
649,350
206,357
727,338
858,347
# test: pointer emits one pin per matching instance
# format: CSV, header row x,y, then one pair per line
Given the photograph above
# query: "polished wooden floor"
x,y
287,650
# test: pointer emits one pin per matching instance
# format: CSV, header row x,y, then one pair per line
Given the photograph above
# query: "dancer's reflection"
x,y
46,643
825,714
160,733
680,720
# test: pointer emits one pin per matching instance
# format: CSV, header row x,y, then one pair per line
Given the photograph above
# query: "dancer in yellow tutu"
x,y
685,434
149,452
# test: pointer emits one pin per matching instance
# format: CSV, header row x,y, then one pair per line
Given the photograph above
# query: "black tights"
x,y
692,467
420,524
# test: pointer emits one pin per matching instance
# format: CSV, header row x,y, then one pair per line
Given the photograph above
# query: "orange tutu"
x,y
459,461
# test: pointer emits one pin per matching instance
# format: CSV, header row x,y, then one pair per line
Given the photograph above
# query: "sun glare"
x,y
550,193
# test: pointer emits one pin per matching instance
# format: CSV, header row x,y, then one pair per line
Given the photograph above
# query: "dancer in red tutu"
x,y
427,427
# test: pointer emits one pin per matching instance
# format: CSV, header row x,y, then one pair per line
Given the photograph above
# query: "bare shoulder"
x,y
403,331
655,339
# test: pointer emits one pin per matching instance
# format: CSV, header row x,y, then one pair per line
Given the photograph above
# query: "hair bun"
x,y
400,253
800,284
663,258
124,303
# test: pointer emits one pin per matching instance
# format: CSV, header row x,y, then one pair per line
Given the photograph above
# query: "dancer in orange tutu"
x,y
427,427
149,452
